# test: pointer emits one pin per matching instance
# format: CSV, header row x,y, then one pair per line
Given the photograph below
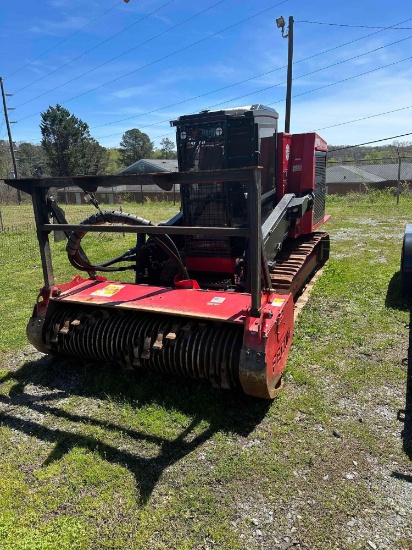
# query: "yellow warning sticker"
x,y
277,302
108,290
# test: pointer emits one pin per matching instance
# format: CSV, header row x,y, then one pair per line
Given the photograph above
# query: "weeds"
x,y
96,458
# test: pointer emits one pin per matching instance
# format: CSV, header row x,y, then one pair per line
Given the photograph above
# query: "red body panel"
x,y
220,265
266,345
302,162
206,304
302,168
284,145
266,339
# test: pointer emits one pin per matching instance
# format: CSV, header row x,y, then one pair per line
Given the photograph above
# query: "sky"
x,y
140,64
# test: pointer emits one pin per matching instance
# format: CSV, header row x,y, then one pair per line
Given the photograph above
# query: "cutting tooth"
x,y
65,328
146,348
55,337
191,348
172,335
158,342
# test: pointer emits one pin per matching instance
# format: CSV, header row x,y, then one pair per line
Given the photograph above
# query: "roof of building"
x,y
147,188
367,173
390,171
159,165
349,174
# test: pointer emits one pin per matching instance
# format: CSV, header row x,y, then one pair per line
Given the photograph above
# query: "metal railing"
x,y
250,177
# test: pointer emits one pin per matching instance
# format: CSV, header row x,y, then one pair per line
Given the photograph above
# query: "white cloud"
x,y
134,91
55,28
355,100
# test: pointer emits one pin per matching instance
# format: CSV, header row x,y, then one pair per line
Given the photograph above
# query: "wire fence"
x,y
18,238
18,229
362,176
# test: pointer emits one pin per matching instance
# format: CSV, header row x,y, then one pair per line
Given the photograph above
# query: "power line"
x,y
364,118
314,55
349,78
297,95
279,84
241,82
359,161
187,100
369,142
151,63
275,102
236,83
64,40
104,42
319,70
356,26
143,43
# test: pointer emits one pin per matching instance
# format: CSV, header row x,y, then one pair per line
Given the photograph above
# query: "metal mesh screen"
x,y
320,186
362,176
206,205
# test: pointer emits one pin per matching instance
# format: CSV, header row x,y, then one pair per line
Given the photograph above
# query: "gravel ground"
x,y
384,522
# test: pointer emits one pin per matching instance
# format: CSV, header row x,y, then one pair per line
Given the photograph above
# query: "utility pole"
x,y
280,22
6,116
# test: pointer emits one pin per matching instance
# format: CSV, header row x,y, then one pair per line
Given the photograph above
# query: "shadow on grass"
x,y
222,411
396,300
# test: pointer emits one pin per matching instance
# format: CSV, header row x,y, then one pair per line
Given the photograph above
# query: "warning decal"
x,y
108,290
216,301
278,302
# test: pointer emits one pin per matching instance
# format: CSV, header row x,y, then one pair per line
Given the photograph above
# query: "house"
x,y
130,193
147,166
346,178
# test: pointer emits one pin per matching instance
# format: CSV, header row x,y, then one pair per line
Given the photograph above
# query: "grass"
x,y
21,274
92,458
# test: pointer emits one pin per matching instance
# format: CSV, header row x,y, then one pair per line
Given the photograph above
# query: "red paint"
x,y
266,345
186,284
321,222
217,265
284,152
156,299
267,337
302,162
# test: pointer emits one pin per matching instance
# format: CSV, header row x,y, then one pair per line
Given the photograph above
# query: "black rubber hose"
x,y
112,216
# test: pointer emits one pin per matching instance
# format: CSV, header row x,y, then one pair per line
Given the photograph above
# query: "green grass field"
x,y
94,458
21,274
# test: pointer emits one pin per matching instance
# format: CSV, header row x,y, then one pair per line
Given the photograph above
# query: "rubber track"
x,y
298,260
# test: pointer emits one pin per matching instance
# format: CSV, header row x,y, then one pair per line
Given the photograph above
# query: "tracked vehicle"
x,y
214,287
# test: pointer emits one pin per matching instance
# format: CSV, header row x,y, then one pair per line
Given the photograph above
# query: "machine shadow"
x,y
221,411
396,300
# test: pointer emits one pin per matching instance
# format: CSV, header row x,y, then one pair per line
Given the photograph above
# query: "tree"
x,y
113,164
94,159
5,160
135,145
68,146
31,160
167,149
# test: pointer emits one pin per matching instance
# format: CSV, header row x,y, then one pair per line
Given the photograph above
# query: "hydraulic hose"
x,y
111,216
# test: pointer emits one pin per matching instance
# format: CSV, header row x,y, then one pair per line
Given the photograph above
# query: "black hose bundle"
x,y
111,216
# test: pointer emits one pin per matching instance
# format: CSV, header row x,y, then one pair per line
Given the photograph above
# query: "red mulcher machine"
x,y
214,288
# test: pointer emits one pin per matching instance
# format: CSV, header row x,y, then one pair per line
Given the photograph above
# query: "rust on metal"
x,y
297,262
192,349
